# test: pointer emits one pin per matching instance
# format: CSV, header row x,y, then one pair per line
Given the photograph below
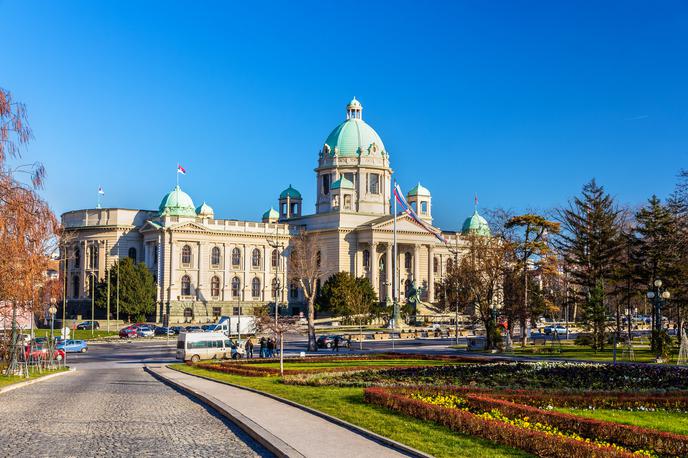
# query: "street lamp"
x,y
658,297
93,299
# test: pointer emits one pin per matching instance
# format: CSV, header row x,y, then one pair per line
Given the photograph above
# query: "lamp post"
x,y
658,296
93,299
52,310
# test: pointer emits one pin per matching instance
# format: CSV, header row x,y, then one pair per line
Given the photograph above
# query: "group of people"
x,y
268,347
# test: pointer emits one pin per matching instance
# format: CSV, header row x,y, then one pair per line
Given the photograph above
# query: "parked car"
x,y
128,332
208,327
177,329
559,329
88,325
41,352
145,331
164,331
328,341
73,346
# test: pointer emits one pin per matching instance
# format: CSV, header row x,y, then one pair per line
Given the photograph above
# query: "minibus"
x,y
195,346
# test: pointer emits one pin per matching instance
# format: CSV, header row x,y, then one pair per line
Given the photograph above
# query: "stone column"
x,y
173,269
388,268
225,272
82,268
267,280
373,270
431,274
247,269
416,264
102,247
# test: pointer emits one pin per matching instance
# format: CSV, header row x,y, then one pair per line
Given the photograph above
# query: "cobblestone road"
x,y
122,412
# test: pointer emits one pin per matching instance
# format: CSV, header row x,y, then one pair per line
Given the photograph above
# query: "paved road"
x,y
113,412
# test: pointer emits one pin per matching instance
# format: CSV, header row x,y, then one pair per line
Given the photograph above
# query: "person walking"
x,y
249,348
335,347
271,347
263,348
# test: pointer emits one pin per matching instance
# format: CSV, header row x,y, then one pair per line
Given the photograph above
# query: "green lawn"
x,y
674,422
5,380
347,404
79,334
642,355
316,365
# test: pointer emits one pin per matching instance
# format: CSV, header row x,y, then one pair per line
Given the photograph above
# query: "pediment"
x,y
189,226
404,224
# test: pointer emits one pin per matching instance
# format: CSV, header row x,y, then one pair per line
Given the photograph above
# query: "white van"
x,y
195,346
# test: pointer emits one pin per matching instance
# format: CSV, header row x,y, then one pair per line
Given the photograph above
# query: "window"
x,y
366,259
215,256
93,256
449,264
294,209
77,257
347,201
132,253
349,176
284,209
414,207
255,287
374,183
186,286
236,257
275,258
155,254
326,184
236,310
255,258
188,312
186,255
75,286
293,291
236,286
435,265
407,261
215,286
423,207
217,312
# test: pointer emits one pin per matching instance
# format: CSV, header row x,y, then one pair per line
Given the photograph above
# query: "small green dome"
x,y
271,214
177,203
477,225
353,135
342,183
205,210
419,190
291,193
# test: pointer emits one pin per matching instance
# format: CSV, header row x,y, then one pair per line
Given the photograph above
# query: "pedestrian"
x,y
348,343
335,347
271,347
249,348
263,348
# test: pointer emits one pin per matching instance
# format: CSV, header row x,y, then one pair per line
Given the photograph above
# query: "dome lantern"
x,y
354,110
420,199
290,203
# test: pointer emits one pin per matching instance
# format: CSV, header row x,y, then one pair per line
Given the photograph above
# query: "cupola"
x,y
271,216
420,199
290,203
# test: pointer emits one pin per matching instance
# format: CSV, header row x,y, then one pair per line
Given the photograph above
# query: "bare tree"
x,y
278,326
307,269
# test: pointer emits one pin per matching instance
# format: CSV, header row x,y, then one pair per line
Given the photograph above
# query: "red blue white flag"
x,y
181,169
399,196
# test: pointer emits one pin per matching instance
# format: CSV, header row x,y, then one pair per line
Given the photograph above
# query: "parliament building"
x,y
206,266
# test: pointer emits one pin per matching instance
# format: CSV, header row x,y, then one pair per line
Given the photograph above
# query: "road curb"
x,y
398,446
264,437
14,386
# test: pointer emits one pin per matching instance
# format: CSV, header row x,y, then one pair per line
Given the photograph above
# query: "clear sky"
x,y
521,102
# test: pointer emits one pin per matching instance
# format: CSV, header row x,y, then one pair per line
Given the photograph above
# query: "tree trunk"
x,y
360,336
312,346
281,338
524,315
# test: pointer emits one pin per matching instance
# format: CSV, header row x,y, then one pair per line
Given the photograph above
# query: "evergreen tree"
x,y
590,243
137,290
595,314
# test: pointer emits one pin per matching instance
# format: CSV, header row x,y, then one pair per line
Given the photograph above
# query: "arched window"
x,y
186,286
75,287
435,265
186,255
215,256
236,286
407,260
215,286
366,259
255,258
450,263
255,287
236,257
275,258
293,290
132,253
77,257
93,256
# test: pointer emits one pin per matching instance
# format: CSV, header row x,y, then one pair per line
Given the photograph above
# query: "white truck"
x,y
236,325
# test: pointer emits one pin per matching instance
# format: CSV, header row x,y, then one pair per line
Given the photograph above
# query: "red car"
x,y
128,332
40,352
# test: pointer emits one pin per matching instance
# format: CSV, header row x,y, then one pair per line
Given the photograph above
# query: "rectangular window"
x,y
414,207
236,310
349,176
217,311
326,184
424,208
284,209
374,183
347,202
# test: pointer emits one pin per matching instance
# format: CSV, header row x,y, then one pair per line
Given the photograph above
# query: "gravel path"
x,y
122,412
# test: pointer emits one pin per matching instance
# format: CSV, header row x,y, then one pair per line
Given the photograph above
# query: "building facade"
x,y
206,267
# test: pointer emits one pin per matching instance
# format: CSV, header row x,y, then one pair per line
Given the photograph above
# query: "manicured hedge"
x,y
536,442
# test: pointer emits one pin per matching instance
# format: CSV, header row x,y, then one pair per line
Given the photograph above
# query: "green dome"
x,y
177,203
353,135
419,190
271,214
291,193
477,225
205,210
342,183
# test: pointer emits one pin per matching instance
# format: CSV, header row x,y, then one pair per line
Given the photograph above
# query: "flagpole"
x,y
394,267
177,173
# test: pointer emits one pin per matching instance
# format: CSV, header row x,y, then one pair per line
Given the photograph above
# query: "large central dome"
x,y
353,137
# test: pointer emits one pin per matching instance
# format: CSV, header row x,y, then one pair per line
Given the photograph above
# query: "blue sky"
x,y
519,102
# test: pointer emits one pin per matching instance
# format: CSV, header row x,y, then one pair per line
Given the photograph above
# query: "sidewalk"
x,y
297,432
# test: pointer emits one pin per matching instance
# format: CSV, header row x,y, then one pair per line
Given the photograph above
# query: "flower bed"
x,y
471,411
540,443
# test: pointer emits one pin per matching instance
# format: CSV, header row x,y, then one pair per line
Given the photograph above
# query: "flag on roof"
x,y
399,196
100,190
181,169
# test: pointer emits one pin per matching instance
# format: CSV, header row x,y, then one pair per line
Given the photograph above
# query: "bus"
x,y
195,346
